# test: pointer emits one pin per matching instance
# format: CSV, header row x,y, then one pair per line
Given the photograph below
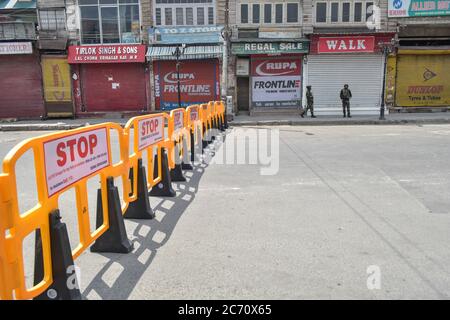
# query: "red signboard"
x,y
114,53
346,44
199,82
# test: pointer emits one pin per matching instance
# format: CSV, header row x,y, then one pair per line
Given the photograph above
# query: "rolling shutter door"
x,y
327,75
21,87
113,87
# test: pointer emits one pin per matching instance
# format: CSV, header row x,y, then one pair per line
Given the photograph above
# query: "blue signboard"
x,y
177,35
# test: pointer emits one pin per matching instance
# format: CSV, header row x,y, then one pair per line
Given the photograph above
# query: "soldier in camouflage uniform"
x,y
346,95
309,102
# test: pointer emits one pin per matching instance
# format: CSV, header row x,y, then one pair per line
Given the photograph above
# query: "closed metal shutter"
x,y
327,75
21,86
113,87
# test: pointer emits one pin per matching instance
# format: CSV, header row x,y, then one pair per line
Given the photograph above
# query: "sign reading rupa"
x,y
150,131
71,158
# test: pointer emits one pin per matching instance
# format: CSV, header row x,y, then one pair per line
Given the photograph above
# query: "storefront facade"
x,y
353,59
109,78
21,93
418,76
199,82
197,51
268,73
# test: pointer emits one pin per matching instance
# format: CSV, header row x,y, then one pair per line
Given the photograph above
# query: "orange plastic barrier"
x,y
66,160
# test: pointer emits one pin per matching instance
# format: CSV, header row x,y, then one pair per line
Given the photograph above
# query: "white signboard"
x,y
70,159
150,131
276,82
178,120
194,114
16,48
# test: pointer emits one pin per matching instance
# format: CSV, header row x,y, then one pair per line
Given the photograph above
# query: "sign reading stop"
x,y
150,131
71,158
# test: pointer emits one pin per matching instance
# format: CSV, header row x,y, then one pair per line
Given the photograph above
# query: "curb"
x,y
56,127
338,123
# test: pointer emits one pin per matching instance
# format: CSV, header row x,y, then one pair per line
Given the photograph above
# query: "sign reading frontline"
x,y
199,83
70,159
178,120
16,48
150,131
346,44
415,8
113,53
276,82
270,47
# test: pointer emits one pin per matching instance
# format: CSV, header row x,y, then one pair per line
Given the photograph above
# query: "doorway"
x,y
243,94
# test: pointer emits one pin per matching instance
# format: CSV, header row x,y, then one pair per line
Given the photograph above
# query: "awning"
x,y
193,52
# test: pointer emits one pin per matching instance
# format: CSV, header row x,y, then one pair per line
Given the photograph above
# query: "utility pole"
x,y
177,53
226,39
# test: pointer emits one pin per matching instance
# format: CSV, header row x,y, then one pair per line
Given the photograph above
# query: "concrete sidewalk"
x,y
245,120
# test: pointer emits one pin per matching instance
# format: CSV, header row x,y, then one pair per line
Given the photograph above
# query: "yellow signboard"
x,y
391,72
56,76
423,80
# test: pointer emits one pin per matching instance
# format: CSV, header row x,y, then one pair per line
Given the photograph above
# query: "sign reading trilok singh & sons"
x,y
114,53
270,47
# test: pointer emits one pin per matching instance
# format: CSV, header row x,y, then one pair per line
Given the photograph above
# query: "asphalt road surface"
x,y
353,212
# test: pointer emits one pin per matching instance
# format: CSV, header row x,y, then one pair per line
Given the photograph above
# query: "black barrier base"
x,y
187,166
176,174
65,284
140,208
192,138
114,239
164,187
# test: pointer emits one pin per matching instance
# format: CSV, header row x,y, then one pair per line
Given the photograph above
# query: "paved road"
x,y
345,199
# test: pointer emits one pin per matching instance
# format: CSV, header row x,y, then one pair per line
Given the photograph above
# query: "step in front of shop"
x,y
274,111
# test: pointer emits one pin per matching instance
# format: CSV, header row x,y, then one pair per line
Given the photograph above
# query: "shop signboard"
x,y
199,82
276,82
418,8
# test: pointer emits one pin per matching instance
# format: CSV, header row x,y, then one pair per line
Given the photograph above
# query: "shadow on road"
x,y
148,236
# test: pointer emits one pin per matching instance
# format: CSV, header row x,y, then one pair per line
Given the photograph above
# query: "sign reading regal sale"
x,y
346,44
276,82
71,158
114,53
150,131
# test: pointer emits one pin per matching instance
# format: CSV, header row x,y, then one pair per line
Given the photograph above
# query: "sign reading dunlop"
x,y
270,47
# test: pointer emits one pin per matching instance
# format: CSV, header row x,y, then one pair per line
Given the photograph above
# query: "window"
x,y
292,12
357,12
168,16
267,13
90,25
321,12
189,16
179,16
184,12
255,13
369,9
158,16
109,21
334,12
210,15
279,13
52,19
200,16
346,12
244,13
